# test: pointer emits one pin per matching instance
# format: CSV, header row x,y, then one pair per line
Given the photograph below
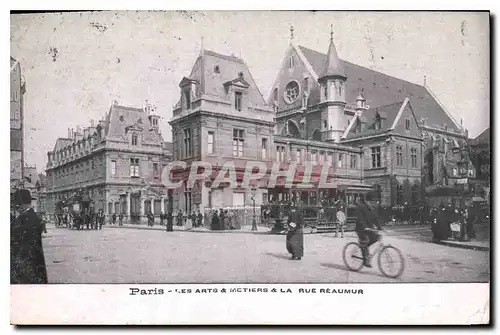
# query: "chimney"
x,y
69,132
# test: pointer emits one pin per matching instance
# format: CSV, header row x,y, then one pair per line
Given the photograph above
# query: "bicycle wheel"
x,y
353,257
391,262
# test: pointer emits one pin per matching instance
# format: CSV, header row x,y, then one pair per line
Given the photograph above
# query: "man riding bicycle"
x,y
366,221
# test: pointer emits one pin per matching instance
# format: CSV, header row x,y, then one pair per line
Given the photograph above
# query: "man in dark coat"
x,y
295,234
151,219
180,218
162,219
366,220
100,219
120,219
222,220
113,219
170,221
215,221
26,251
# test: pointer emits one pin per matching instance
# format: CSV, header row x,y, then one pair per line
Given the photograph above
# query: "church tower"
x,y
332,97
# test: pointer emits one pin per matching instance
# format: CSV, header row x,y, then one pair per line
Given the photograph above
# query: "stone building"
x,y
117,161
401,128
17,91
222,117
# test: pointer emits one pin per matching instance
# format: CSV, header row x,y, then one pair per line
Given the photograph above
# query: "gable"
x,y
387,113
382,90
407,116
287,75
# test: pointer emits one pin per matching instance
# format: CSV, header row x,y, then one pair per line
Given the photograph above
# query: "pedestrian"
x,y
215,224
100,219
341,221
162,218
199,219
180,218
151,219
113,219
170,221
222,220
120,219
295,234
189,222
26,250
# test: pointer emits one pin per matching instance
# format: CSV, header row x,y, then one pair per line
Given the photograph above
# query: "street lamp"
x,y
254,223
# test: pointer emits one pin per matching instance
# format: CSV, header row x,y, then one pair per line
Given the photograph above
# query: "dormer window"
x,y
238,98
216,69
134,139
155,122
187,98
240,74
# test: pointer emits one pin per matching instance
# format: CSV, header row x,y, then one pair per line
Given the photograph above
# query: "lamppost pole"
x,y
254,222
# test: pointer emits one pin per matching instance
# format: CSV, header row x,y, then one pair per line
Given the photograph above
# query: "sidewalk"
x,y
245,230
481,242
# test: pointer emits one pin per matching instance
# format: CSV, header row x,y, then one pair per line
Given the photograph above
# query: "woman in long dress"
x,y
295,235
189,222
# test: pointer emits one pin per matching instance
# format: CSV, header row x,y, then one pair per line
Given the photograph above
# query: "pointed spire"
x,y
202,49
333,66
291,33
361,93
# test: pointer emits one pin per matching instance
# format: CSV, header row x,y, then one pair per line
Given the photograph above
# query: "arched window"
x,y
293,130
316,135
290,62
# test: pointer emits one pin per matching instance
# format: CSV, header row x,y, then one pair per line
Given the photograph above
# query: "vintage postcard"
x,y
215,167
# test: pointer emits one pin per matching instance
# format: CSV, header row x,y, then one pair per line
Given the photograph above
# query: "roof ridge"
x,y
393,104
223,56
367,68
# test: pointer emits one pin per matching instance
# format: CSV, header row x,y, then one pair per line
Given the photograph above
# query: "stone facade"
x,y
396,125
119,163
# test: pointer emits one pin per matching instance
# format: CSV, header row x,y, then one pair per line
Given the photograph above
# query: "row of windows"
x,y
318,158
400,157
135,170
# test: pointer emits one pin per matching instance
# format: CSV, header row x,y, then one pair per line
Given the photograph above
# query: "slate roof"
x,y
333,66
383,90
131,116
483,138
62,143
229,69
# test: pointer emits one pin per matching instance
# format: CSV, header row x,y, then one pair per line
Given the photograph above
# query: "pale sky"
x,y
137,56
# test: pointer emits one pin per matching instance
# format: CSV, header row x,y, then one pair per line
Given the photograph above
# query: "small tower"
x,y
154,119
332,98
361,105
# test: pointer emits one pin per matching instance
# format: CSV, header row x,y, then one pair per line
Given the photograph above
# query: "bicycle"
x,y
352,251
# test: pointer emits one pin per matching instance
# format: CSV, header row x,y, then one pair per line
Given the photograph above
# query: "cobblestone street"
x,y
154,256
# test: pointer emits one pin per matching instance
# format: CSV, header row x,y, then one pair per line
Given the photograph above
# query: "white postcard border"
x,y
377,304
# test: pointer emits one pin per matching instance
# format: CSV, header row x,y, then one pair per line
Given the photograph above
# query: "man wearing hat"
x,y
26,251
295,234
